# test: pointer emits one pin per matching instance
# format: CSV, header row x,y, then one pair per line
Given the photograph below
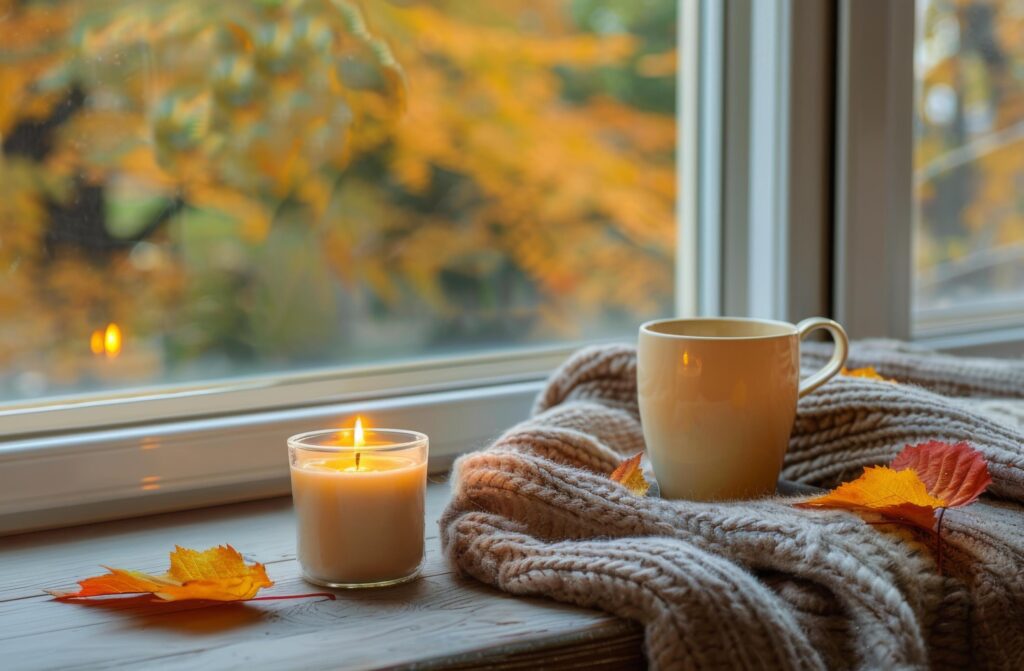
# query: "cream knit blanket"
x,y
761,584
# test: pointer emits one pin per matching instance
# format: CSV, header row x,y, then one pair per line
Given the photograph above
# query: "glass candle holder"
x,y
359,505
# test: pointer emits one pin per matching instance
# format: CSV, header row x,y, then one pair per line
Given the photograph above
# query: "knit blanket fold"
x,y
760,584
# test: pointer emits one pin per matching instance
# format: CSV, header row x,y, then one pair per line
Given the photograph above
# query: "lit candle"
x,y
359,505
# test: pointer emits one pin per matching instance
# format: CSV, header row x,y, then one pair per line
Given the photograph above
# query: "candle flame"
x,y
358,437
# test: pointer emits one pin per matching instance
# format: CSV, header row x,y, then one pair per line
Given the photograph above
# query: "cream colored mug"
x,y
718,399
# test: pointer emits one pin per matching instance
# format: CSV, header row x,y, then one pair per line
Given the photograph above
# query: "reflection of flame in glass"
x,y
112,340
106,341
96,341
358,438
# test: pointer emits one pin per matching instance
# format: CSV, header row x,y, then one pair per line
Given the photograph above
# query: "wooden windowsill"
x,y
438,621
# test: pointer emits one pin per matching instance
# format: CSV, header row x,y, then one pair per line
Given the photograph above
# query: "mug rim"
x,y
790,329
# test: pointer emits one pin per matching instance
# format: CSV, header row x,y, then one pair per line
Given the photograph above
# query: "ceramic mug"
x,y
718,399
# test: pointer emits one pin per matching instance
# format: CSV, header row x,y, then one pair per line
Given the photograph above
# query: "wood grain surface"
x,y
441,621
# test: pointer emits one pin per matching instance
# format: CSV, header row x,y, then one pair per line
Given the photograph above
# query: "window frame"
x,y
277,391
874,214
776,189
111,457
874,164
86,476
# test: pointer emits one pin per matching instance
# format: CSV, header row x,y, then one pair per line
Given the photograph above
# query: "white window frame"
x,y
280,390
774,205
82,476
874,136
82,459
874,194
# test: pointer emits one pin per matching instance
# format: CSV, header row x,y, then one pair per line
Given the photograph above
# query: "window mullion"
x,y
874,140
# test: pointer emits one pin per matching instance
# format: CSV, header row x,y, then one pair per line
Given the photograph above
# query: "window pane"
x,y
969,164
196,190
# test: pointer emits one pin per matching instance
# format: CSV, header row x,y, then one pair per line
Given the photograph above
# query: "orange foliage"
x,y
867,373
970,54
923,478
403,142
956,473
217,574
630,475
898,495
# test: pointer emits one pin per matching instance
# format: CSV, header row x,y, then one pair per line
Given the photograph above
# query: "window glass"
x,y
969,164
196,190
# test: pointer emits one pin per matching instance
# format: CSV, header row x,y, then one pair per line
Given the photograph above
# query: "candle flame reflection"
x,y
106,341
112,340
96,342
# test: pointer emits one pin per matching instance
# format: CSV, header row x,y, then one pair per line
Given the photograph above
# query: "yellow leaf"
x,y
867,372
629,474
217,574
899,495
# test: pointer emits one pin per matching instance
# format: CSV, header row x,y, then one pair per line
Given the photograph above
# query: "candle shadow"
x,y
197,618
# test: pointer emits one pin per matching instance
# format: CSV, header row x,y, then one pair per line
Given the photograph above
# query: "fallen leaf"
x,y
923,479
956,473
899,495
867,373
630,474
217,574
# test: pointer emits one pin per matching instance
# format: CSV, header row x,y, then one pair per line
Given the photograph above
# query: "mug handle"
x,y
835,364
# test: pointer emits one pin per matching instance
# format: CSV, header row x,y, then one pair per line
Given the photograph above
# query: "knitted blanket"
x,y
760,584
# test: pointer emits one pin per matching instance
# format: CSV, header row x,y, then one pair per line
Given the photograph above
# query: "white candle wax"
x,y
359,525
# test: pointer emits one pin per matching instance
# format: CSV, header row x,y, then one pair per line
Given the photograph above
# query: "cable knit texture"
x,y
759,584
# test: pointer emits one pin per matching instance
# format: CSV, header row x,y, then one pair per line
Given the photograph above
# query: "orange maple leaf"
x,y
956,473
899,495
629,474
217,574
867,373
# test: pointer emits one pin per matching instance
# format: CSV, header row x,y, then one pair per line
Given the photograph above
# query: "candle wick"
x,y
357,461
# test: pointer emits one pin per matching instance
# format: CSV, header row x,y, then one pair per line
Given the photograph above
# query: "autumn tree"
x,y
969,166
287,183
